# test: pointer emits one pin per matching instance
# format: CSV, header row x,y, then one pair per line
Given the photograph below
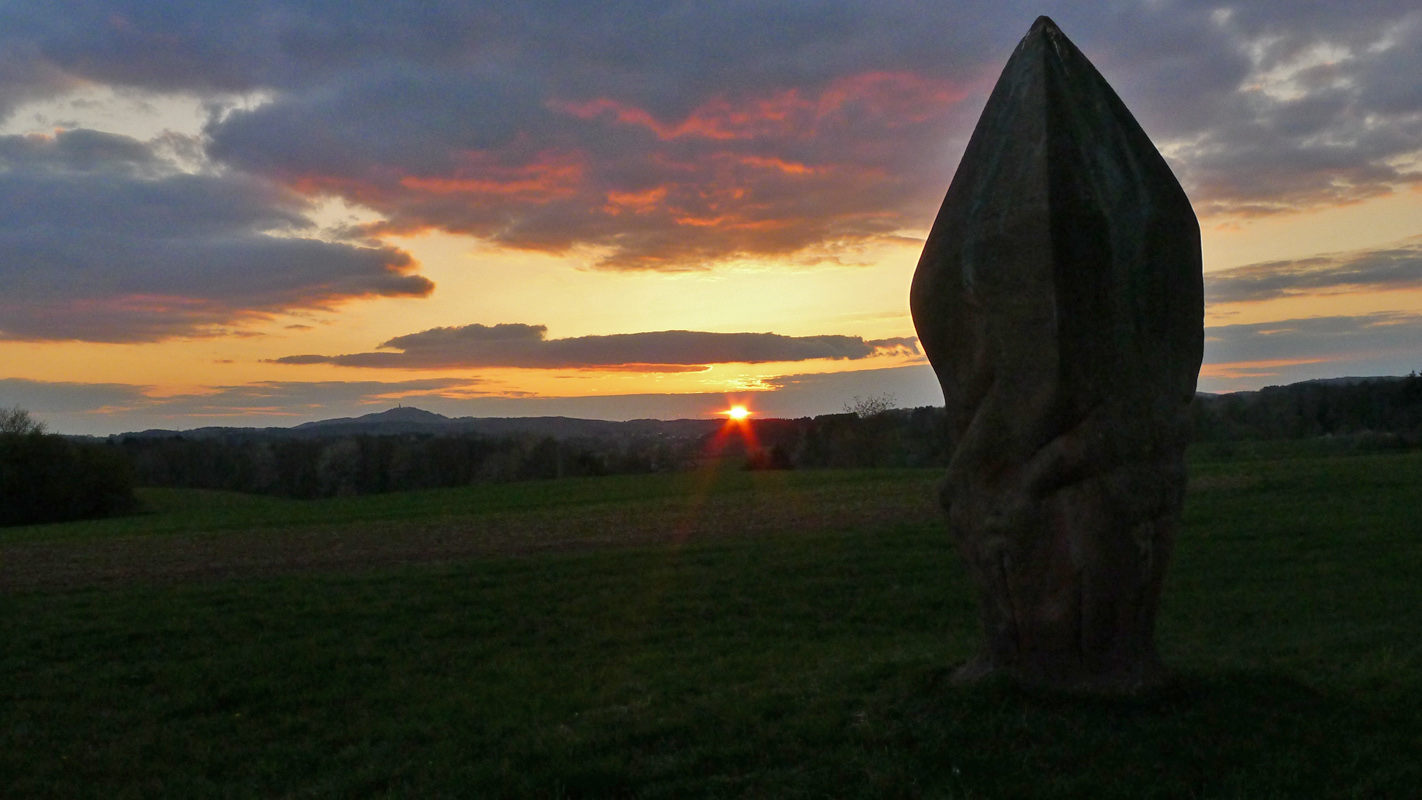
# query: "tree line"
x,y
1385,412
344,465
1388,410
47,477
356,464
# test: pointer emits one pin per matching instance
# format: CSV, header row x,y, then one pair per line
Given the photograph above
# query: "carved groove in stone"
x,y
1059,299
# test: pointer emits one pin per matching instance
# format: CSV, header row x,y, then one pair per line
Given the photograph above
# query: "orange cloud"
x,y
718,119
315,184
647,368
1254,369
550,176
902,96
789,174
636,202
787,167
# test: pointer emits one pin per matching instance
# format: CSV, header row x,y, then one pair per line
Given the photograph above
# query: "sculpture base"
x,y
1069,555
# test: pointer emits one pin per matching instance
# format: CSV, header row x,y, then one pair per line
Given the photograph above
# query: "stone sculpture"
x,y
1059,299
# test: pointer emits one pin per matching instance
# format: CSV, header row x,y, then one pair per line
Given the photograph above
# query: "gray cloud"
x,y
653,135
527,346
1318,118
831,125
1396,267
1250,356
1323,339
59,397
898,345
104,408
79,152
286,398
658,135
775,175
104,240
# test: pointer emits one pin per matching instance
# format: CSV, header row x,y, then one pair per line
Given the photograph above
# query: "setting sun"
x,y
738,412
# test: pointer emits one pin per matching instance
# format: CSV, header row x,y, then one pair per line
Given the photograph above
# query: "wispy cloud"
x,y
527,347
1398,266
112,408
1317,339
70,397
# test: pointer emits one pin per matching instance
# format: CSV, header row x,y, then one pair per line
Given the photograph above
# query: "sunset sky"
x,y
262,213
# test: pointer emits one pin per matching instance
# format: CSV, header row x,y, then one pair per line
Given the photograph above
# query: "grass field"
x,y
697,635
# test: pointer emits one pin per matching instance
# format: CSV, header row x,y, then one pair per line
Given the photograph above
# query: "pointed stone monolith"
x,y
1059,299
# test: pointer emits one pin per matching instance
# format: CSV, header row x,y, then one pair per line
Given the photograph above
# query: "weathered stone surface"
x,y
1059,299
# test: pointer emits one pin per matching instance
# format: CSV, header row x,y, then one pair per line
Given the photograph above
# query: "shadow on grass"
x,y
1242,734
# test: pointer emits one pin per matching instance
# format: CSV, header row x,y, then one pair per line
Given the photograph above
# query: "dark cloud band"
x,y
527,347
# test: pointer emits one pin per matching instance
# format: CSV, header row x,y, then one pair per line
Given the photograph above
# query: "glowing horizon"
x,y
331,234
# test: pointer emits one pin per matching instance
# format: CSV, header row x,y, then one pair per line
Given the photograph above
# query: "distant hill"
x,y
1308,408
411,420
396,416
407,419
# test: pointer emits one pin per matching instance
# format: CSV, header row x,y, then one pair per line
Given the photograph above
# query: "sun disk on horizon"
x,y
738,412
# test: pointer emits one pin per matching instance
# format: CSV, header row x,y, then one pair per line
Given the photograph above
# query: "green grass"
x,y
796,663
169,511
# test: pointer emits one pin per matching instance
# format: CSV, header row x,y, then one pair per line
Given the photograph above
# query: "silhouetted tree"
x,y
19,421
870,406
46,478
